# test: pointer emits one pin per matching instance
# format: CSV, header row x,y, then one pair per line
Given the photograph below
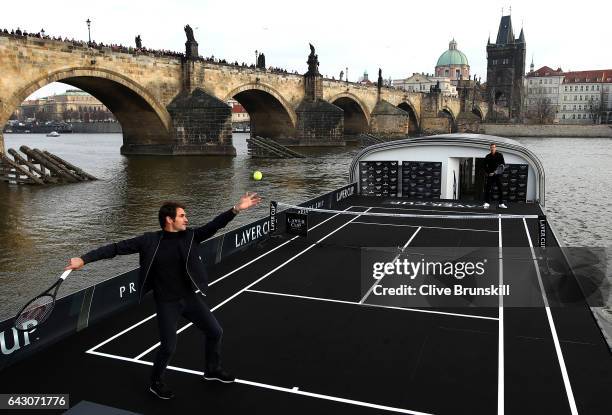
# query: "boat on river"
x,y
306,330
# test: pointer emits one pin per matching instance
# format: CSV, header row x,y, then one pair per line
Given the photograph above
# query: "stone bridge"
x,y
177,105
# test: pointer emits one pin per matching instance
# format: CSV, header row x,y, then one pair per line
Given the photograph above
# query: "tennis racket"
x,y
500,169
38,310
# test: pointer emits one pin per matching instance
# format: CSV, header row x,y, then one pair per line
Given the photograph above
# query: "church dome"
x,y
452,56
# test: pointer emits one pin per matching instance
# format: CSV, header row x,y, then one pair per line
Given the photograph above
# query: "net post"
x,y
542,231
273,223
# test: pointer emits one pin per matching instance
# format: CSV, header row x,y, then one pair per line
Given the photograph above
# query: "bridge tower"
x,y
506,73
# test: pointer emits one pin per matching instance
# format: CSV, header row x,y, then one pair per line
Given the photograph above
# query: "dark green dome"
x,y
452,56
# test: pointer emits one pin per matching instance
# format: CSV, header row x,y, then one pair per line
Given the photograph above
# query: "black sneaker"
x,y
160,390
220,375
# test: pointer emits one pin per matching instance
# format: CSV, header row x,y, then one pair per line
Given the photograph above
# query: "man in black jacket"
x,y
492,161
171,266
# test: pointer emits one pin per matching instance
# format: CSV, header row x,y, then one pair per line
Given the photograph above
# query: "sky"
x,y
401,37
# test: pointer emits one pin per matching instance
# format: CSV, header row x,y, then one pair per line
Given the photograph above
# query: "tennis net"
x,y
313,225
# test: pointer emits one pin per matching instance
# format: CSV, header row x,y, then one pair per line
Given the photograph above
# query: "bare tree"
x,y
542,112
596,109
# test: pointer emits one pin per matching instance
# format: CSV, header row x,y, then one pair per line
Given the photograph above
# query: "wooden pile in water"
x,y
267,148
39,167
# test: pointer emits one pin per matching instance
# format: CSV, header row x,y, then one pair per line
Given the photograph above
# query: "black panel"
x,y
378,178
421,179
514,183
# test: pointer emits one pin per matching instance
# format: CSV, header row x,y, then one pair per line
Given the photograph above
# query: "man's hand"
x,y
246,201
75,264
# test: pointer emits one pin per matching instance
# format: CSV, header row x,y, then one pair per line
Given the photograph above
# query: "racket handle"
x,y
65,274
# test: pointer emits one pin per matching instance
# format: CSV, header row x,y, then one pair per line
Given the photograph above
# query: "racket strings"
x,y
36,311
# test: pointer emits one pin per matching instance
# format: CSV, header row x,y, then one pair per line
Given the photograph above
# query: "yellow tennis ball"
x,y
257,175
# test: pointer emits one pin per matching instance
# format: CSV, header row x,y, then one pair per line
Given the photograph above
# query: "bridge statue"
x,y
189,33
138,42
191,46
313,62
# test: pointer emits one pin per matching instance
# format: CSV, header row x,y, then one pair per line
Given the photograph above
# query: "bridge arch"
x,y
356,118
476,111
271,115
414,125
448,113
143,119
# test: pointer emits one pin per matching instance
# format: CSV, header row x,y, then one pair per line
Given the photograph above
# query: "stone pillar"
x,y
1,143
431,121
389,120
191,49
319,123
202,124
467,121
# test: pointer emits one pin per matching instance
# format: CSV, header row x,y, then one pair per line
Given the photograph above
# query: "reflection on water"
x,y
40,227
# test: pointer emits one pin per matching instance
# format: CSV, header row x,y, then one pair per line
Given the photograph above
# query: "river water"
x,y
41,227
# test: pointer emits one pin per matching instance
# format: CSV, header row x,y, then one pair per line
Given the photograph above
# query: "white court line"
x,y
270,251
294,390
426,227
367,294
500,364
551,323
212,283
256,282
418,310
121,333
431,210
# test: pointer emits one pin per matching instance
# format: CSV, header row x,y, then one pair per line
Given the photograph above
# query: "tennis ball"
x,y
257,175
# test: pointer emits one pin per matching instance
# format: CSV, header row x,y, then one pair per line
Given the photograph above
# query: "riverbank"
x,y
555,130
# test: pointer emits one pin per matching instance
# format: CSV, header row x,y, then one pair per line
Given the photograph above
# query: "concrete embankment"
x,y
556,130
96,128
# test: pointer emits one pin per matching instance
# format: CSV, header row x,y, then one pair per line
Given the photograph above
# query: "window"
x,y
494,61
564,108
565,88
575,97
592,87
540,81
574,107
564,97
581,87
573,116
563,116
580,107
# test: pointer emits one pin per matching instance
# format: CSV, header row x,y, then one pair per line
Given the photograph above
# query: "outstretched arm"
x,y
125,247
247,201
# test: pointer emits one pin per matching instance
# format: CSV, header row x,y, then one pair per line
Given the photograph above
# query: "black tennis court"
x,y
302,337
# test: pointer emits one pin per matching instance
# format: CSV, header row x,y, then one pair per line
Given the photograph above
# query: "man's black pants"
x,y
489,185
195,310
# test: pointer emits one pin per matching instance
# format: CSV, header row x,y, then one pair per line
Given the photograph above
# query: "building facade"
x,y
424,82
586,97
239,113
583,97
542,87
506,73
453,64
72,106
